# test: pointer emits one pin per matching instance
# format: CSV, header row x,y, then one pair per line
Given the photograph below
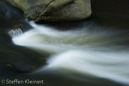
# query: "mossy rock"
x,y
54,10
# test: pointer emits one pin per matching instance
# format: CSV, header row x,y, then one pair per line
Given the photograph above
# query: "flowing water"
x,y
88,51
93,52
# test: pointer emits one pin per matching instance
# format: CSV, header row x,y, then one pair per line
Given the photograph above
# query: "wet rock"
x,y
54,10
13,57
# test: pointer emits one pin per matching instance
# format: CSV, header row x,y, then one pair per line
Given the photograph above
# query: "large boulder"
x,y
54,10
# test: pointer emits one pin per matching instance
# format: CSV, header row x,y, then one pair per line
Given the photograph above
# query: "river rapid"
x,y
89,50
93,52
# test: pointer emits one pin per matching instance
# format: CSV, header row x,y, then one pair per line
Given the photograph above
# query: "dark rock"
x,y
13,57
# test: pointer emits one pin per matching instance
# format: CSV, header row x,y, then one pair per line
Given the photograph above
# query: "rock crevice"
x,y
54,10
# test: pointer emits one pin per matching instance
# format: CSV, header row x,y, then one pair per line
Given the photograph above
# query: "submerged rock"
x,y
20,59
54,10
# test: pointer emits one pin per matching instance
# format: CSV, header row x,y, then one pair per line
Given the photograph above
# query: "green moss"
x,y
9,65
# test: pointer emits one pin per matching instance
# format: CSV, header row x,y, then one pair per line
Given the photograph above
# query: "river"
x,y
92,52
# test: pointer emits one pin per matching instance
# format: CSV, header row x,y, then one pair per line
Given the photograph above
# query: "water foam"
x,y
15,33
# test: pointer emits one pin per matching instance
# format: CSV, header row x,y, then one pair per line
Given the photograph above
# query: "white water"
x,y
14,33
80,51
